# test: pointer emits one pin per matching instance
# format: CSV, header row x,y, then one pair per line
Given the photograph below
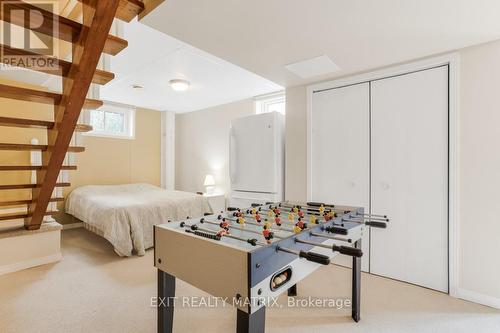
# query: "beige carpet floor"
x,y
93,290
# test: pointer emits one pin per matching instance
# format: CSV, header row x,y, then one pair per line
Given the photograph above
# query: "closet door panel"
x,y
340,151
410,177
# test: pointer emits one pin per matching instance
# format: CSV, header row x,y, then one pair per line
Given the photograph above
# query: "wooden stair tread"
x,y
100,77
6,217
22,147
25,202
32,167
67,30
29,186
127,9
33,123
38,96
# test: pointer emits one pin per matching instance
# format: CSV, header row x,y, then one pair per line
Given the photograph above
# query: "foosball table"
x,y
247,256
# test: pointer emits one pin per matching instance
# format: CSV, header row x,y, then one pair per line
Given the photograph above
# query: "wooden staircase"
x,y
89,39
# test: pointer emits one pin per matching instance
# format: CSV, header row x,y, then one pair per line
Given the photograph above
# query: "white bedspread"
x,y
125,214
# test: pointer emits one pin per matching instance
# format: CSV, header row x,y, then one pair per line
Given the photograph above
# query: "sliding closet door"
x,y
339,159
410,177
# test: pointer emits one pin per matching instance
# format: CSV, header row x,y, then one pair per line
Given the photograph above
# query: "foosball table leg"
x,y
251,323
356,285
292,291
165,302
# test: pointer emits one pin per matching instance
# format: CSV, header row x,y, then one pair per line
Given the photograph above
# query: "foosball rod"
x,y
371,217
203,220
374,215
315,206
290,210
317,223
256,224
251,241
347,250
285,218
382,218
348,240
309,256
375,224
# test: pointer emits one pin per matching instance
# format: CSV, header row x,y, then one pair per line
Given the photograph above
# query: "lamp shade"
x,y
209,180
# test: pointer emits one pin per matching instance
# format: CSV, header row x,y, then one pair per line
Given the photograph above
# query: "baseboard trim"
x,y
72,225
476,297
18,266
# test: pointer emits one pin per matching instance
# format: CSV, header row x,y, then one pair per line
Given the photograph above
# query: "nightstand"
x,y
217,202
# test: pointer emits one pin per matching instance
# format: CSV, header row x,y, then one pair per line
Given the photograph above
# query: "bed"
x,y
125,214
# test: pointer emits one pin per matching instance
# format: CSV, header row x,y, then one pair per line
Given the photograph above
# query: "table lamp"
x,y
209,184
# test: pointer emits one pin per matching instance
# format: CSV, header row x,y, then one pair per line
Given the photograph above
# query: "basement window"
x,y
271,103
112,120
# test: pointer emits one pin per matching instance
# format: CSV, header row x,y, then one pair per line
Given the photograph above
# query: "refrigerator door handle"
x,y
232,157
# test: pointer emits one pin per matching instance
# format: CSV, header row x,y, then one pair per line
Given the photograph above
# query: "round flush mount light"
x,y
179,84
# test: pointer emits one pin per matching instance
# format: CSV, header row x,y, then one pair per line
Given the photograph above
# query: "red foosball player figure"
x,y
224,224
300,213
268,234
237,213
258,218
277,219
223,232
328,216
276,211
301,224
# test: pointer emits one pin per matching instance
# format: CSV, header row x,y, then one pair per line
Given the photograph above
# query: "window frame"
x,y
128,113
263,102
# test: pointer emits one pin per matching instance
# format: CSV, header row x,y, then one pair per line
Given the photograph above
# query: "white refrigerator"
x,y
257,159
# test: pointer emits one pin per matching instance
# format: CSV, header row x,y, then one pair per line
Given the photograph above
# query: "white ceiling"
x,y
263,36
153,58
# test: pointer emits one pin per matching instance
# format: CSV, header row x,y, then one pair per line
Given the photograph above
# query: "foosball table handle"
x,y
348,251
315,204
374,224
336,230
315,257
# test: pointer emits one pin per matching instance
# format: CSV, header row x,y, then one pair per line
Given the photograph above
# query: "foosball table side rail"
x,y
211,266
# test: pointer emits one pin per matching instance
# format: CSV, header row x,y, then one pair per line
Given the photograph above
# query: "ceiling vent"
x,y
313,67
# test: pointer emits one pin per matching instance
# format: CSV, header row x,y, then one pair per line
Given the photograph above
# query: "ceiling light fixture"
x,y
179,84
137,86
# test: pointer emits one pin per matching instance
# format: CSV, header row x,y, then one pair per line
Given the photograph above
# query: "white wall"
x,y
168,150
479,175
202,145
296,142
480,170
